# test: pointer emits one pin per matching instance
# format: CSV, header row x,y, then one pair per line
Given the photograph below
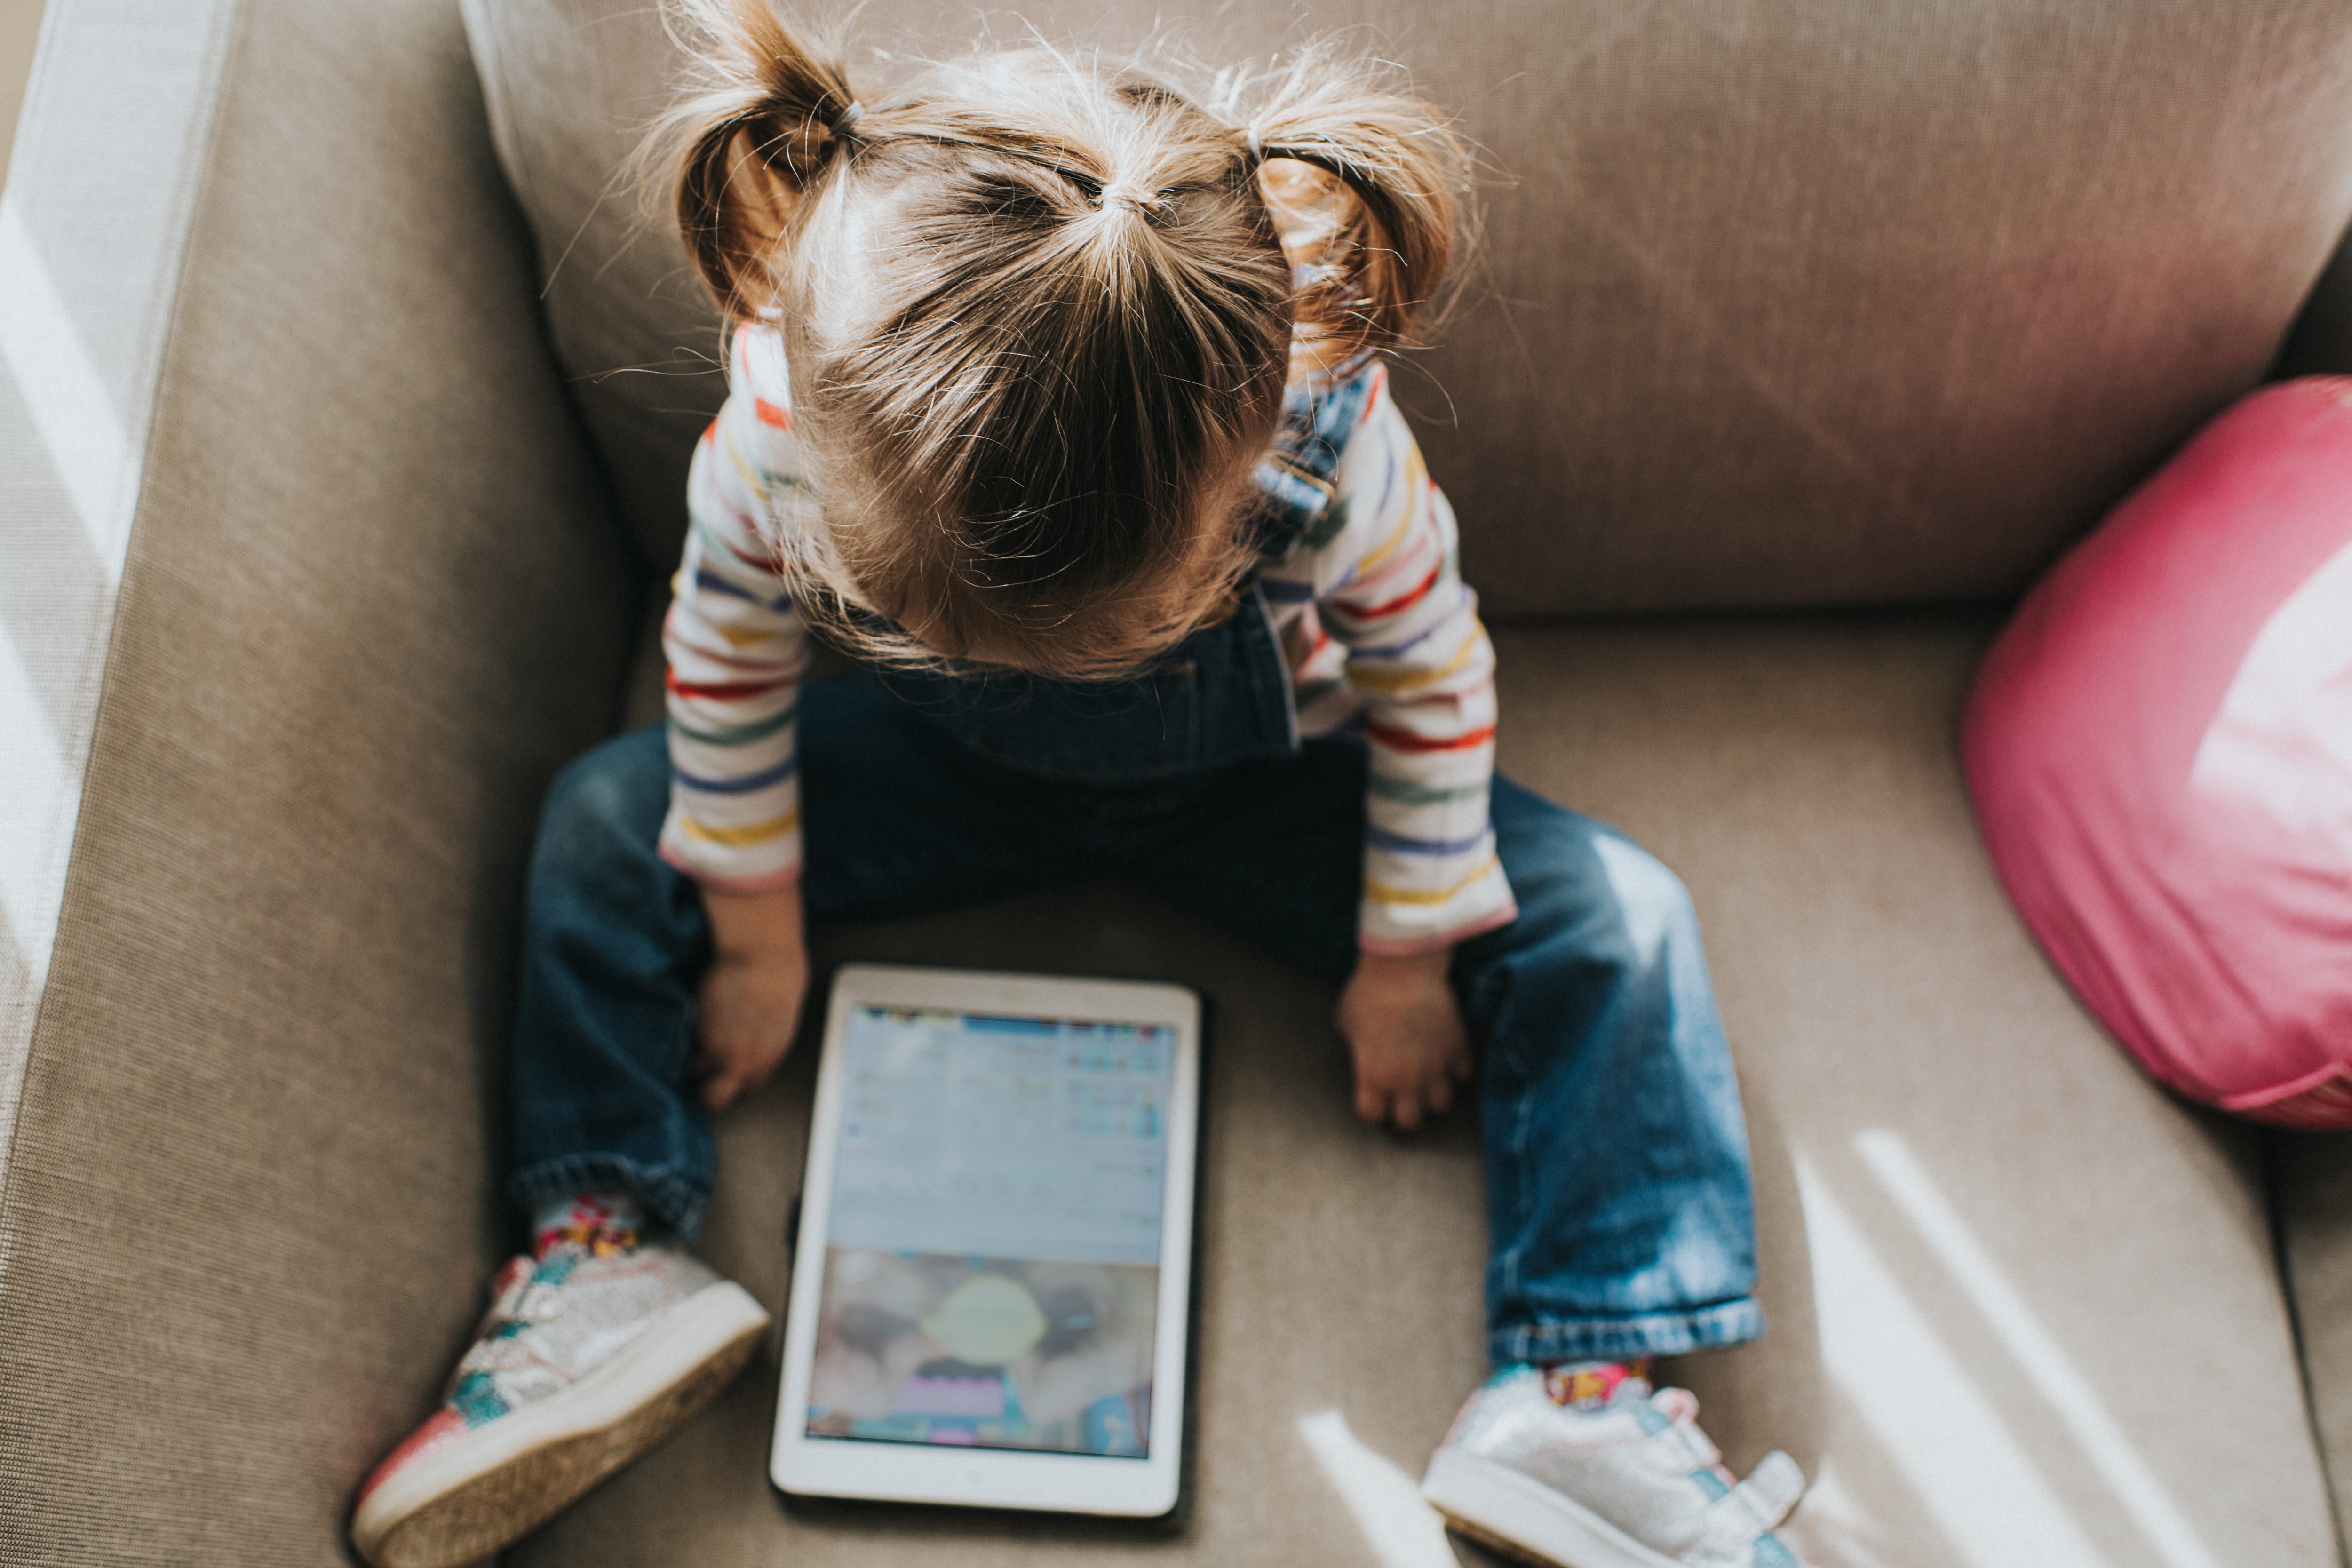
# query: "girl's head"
x,y
1039,319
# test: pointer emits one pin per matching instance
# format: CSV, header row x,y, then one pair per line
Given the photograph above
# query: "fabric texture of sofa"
x,y
344,410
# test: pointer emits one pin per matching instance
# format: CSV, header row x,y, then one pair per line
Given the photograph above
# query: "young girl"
x,y
1031,406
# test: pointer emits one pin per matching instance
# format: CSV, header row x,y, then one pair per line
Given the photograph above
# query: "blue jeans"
x,y
1617,1182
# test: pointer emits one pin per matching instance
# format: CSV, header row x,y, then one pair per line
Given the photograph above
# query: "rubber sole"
x,y
500,1482
1520,1517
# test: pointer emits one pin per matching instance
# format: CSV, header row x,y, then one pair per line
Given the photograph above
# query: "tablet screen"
x,y
991,1270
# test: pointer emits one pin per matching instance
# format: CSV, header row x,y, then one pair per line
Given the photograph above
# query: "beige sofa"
x,y
1804,334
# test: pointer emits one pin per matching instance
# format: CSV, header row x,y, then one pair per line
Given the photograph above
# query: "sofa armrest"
x,y
311,586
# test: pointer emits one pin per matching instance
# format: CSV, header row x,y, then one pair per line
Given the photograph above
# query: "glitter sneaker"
x,y
581,1364
1628,1483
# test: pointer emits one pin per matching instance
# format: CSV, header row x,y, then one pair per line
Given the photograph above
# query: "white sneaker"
x,y
1632,1483
581,1364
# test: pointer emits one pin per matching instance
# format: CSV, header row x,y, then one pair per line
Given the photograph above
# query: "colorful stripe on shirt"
x,y
736,649
1381,633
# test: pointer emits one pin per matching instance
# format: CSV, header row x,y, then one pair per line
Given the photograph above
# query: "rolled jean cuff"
x,y
664,1197
1621,1339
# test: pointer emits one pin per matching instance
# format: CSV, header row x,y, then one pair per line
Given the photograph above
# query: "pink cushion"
x,y
2160,748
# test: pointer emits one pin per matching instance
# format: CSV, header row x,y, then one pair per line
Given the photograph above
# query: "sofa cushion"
x,y
1778,304
2018,1246
2160,749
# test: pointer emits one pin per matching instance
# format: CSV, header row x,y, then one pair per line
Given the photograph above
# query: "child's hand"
x,y
1405,1030
748,1009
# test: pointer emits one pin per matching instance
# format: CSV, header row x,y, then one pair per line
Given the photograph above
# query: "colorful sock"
x,y
600,1224
1587,1384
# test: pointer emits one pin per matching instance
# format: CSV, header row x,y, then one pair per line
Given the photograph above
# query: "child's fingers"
x,y
1371,1104
1439,1093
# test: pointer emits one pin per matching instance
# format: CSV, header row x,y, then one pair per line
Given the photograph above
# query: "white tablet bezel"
x,y
996,1478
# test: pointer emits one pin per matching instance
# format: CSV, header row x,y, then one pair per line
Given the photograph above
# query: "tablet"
x,y
990,1292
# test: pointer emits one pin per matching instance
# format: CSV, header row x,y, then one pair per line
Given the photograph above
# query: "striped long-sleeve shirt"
x,y
1378,628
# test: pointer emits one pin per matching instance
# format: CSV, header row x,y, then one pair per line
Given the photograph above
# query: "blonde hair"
x,y
1039,317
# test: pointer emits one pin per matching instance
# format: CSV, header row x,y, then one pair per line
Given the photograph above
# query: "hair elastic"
x,y
847,118
1118,193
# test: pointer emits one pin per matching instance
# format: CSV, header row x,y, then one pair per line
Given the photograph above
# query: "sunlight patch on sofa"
x,y
1403,1530
77,421
1831,1510
1968,1470
2036,1349
33,782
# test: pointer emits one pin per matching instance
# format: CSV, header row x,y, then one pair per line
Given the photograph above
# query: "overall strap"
x,y
1296,478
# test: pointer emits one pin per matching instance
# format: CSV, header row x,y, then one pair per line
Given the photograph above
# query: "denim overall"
x,y
1618,1194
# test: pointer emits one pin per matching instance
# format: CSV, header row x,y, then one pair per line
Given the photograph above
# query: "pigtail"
x,y
764,116
1379,268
